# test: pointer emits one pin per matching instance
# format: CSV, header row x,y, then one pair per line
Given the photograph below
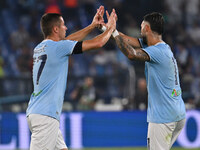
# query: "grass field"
x,y
135,148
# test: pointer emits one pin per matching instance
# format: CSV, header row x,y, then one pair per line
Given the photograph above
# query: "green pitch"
x,y
135,148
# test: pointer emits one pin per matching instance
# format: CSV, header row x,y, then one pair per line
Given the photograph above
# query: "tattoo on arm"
x,y
124,46
130,52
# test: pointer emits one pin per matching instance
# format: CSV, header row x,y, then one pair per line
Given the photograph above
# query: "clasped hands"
x,y
98,20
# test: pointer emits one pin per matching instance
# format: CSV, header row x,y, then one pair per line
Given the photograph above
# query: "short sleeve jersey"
x,y
165,103
50,69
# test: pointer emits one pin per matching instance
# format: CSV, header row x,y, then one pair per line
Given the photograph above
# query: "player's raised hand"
x,y
111,20
101,14
98,18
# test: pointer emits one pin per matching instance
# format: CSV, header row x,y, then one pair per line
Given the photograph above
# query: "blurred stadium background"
x,y
106,97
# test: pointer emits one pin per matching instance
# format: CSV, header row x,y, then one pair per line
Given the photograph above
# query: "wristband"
x,y
103,28
115,33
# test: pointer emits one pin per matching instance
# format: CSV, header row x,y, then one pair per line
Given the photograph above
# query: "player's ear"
x,y
148,28
55,29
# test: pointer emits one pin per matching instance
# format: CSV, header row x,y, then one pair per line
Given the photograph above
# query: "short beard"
x,y
144,39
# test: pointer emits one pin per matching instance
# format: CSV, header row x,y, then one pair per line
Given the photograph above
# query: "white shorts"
x,y
46,134
163,136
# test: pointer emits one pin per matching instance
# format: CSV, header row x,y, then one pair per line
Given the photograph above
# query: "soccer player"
x,y
50,71
166,109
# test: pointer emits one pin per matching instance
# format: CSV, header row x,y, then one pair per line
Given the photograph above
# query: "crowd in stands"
x,y
109,71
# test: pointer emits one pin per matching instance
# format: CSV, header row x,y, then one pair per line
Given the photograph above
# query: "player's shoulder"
x,y
162,47
44,43
67,41
48,43
39,48
165,49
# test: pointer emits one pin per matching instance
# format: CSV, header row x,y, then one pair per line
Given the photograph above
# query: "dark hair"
x,y
156,22
48,21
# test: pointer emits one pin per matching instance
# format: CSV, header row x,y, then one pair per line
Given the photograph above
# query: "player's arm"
x,y
81,34
97,42
134,42
127,45
129,51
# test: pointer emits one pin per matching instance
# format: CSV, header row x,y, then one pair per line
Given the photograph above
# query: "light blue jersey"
x,y
165,103
50,71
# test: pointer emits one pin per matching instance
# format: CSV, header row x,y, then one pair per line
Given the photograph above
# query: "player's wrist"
x,y
103,28
93,25
115,33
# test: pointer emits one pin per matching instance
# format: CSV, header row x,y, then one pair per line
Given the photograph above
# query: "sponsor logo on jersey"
x,y
175,93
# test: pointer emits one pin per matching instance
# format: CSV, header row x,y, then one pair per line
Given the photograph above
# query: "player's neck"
x,y
154,39
53,38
